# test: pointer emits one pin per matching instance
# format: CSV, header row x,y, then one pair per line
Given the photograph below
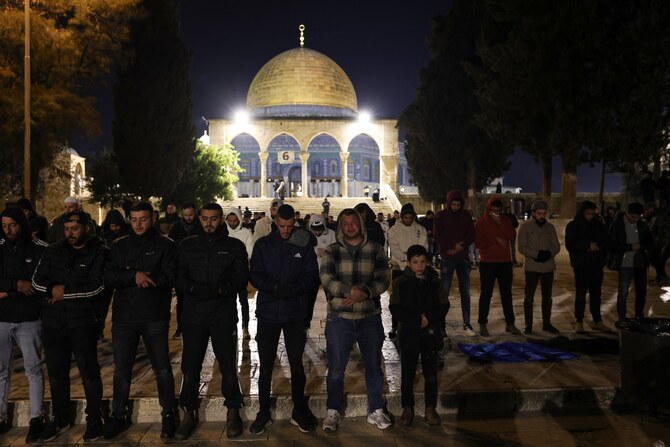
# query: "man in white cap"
x,y
55,233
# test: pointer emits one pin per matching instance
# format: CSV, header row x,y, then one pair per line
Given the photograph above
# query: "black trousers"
x,y
268,341
410,351
489,273
310,306
588,279
59,346
244,304
179,307
125,339
394,322
195,338
546,281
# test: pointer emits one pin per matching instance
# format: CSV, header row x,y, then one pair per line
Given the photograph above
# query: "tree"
x,y
153,133
104,180
444,148
72,45
209,175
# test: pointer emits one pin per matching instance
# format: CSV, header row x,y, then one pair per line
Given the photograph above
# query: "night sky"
x,y
380,45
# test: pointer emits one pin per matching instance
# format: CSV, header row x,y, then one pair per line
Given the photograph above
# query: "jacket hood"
x,y
339,235
407,208
586,205
16,213
492,199
115,217
369,213
454,195
238,213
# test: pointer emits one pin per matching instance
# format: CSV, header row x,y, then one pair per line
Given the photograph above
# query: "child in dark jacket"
x,y
419,303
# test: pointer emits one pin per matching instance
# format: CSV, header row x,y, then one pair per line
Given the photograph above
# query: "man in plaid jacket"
x,y
354,273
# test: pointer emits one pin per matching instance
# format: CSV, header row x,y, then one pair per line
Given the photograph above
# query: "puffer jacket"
x,y
412,297
212,268
81,271
151,253
277,261
18,260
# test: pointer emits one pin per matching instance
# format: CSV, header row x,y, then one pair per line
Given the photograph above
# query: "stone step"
x,y
471,403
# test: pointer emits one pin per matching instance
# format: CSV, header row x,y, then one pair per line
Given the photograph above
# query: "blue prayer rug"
x,y
514,352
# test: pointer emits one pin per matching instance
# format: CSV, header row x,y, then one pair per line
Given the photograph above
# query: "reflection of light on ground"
x,y
665,296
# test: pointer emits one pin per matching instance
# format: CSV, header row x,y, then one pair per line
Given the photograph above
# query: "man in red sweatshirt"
x,y
454,231
493,234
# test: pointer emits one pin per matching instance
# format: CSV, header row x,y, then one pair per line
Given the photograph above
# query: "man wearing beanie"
x,y
55,232
454,232
404,234
20,315
285,273
538,242
586,241
630,242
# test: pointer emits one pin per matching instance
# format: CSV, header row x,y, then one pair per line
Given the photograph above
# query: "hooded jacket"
x,y
212,268
114,217
532,239
151,253
372,227
579,234
411,297
278,262
401,237
81,272
487,232
18,260
240,233
344,266
451,228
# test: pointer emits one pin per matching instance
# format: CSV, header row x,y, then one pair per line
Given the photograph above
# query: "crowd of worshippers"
x,y
59,280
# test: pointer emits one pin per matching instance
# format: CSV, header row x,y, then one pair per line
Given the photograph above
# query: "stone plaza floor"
x,y
534,402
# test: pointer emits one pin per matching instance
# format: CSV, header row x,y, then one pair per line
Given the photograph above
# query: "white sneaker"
x,y
378,418
467,330
332,421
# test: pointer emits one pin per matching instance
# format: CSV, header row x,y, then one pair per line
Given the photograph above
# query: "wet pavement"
x,y
468,389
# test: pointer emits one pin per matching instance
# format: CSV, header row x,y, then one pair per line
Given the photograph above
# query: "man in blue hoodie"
x,y
285,272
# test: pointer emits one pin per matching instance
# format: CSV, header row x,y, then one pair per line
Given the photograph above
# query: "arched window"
x,y
334,168
366,169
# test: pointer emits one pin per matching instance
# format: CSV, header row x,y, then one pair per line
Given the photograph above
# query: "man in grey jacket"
x,y
538,242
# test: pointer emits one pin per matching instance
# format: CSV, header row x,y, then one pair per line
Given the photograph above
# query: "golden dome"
x,y
301,77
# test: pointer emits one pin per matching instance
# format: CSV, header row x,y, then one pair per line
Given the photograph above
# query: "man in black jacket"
x,y
39,225
141,268
285,272
187,226
69,278
20,314
586,241
630,242
212,268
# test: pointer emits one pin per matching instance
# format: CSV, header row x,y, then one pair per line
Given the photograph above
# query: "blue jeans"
x,y
639,276
341,334
28,336
462,269
125,338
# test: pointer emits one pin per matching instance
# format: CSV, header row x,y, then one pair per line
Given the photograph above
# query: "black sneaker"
x,y
177,334
187,425
303,419
35,430
263,421
392,334
528,330
53,429
93,431
549,328
233,423
114,427
168,426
